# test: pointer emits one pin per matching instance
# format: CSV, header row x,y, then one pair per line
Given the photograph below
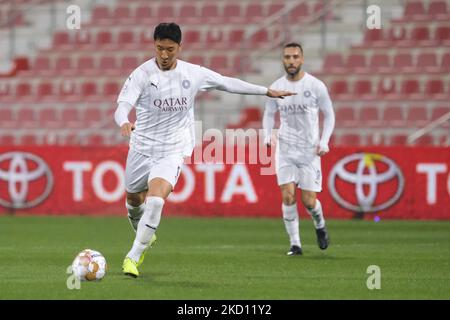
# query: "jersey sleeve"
x,y
213,80
132,87
326,106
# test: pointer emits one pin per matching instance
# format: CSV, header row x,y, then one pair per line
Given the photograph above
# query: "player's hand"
x,y
322,149
126,128
279,93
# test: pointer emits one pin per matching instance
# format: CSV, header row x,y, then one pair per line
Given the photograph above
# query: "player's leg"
x,y
314,208
162,179
136,175
135,204
310,181
291,217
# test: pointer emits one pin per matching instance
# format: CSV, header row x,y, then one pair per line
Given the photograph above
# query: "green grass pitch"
x,y
223,258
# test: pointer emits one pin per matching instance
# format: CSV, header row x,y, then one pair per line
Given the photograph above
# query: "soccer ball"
x,y
89,265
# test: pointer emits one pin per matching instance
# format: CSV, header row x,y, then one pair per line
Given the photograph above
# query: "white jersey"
x,y
299,114
164,102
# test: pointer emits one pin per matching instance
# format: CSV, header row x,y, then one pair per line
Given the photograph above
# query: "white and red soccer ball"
x,y
89,265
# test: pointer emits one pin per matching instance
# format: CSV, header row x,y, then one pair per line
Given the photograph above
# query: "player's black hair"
x,y
169,31
294,45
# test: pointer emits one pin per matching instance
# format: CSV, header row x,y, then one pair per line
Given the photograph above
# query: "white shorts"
x,y
141,169
305,171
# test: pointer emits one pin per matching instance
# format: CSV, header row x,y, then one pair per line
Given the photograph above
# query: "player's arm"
x,y
269,121
326,107
121,118
128,97
214,80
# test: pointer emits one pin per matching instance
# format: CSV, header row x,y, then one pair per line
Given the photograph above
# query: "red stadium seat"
x,y
111,89
363,89
370,116
165,11
439,111
274,8
144,13
129,63
387,88
421,34
380,62
373,35
104,38
232,13
95,140
7,120
92,116
219,63
45,90
196,59
122,14
61,40
259,38
85,64
427,62
88,89
107,63
445,64
210,12
356,62
48,118
188,14
339,88
350,139
26,117
71,118
254,11
399,140
414,8
101,15
215,38
252,114
28,140
334,63
192,39
410,88
68,90
146,38
437,8
393,116
125,39
23,89
425,140
417,116
235,37
435,88
403,63
299,13
83,38
7,140
442,34
345,116
63,64
41,65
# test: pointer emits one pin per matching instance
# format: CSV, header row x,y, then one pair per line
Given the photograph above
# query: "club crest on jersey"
x,y
186,84
307,93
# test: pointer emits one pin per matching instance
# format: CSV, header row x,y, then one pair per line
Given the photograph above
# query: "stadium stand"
x,y
395,78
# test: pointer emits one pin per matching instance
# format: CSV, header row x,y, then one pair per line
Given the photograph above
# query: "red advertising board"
x,y
391,183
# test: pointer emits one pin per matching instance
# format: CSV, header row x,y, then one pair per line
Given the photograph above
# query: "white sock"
x,y
147,226
291,222
317,215
134,214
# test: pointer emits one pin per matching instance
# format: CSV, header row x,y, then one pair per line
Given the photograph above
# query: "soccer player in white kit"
x,y
163,90
299,147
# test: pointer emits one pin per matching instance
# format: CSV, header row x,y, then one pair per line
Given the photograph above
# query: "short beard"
x,y
293,74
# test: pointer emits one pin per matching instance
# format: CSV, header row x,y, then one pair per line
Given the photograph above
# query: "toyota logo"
x,y
375,181
25,180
